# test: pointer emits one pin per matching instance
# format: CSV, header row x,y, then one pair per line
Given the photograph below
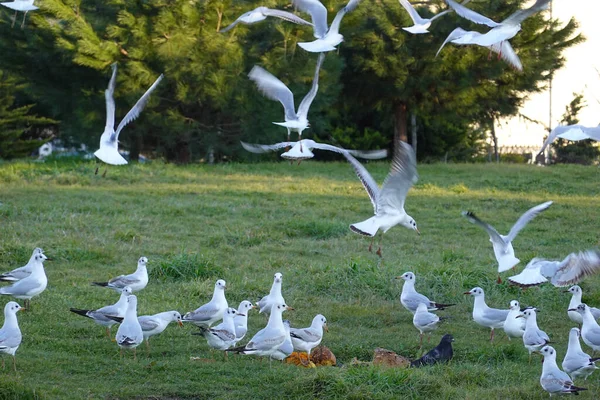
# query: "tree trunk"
x,y
413,131
495,139
400,133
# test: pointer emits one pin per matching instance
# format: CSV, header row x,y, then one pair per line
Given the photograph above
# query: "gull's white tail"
x,y
506,262
110,156
367,228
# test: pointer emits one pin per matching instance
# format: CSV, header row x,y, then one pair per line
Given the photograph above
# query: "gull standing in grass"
x,y
109,141
261,13
577,363
222,336
411,299
572,132
102,315
503,249
241,320
306,339
267,341
388,202
20,5
420,24
10,334
569,271
274,89
136,281
327,38
590,330
31,285
514,326
574,316
22,272
211,312
486,316
302,150
274,297
425,321
130,334
553,380
154,324
287,348
533,338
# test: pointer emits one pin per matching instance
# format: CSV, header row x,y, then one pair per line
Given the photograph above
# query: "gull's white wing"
x,y
455,34
365,178
593,133
203,313
495,314
335,24
274,89
148,323
414,15
288,16
310,96
413,299
124,280
21,287
519,16
507,53
525,218
577,266
265,148
318,13
471,15
369,154
266,339
494,235
306,335
110,101
351,5
559,130
241,18
426,318
137,108
403,174
532,274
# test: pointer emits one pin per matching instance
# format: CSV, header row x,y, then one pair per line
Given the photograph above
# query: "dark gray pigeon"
x,y
441,353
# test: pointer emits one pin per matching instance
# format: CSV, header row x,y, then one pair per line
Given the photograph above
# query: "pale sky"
x,y
579,75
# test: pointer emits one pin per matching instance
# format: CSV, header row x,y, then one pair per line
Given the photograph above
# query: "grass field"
x,y
243,223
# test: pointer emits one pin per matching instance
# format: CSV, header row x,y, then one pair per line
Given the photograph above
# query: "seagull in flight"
x,y
109,141
274,89
572,132
420,24
261,13
388,202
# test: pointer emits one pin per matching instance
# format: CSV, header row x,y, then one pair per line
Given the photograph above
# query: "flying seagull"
x,y
420,24
109,141
572,132
503,249
261,13
388,202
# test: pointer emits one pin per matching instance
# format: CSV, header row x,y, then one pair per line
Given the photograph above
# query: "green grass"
x,y
243,223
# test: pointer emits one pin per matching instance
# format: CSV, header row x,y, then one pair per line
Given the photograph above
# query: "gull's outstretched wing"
x,y
288,16
318,13
265,148
402,175
110,101
310,96
577,266
365,178
525,218
494,235
519,16
455,34
414,15
471,15
507,53
274,89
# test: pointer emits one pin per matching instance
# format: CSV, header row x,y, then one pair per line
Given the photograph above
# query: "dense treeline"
x,y
379,81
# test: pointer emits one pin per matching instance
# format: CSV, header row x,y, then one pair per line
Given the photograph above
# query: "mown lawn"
x,y
243,223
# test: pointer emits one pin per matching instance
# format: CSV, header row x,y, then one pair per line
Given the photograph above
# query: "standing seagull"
x,y
287,348
30,286
533,338
130,334
109,141
327,38
411,299
274,89
306,339
222,336
261,13
22,272
211,312
484,315
514,326
503,249
388,202
553,380
102,315
590,330
154,324
576,301
425,321
10,334
274,296
577,363
420,24
441,353
20,5
241,320
136,281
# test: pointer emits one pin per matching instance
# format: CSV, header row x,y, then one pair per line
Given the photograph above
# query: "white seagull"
x,y
22,272
274,296
484,315
211,312
287,348
30,286
425,321
102,315
136,281
306,339
10,334
261,13
388,202
572,132
553,380
572,269
503,249
274,89
577,363
267,341
327,38
302,150
574,316
514,327
222,336
411,299
154,324
590,330
130,334
109,141
533,338
420,24
20,5
241,320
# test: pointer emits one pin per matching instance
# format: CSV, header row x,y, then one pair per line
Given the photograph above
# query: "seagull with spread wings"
x,y
572,132
261,13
